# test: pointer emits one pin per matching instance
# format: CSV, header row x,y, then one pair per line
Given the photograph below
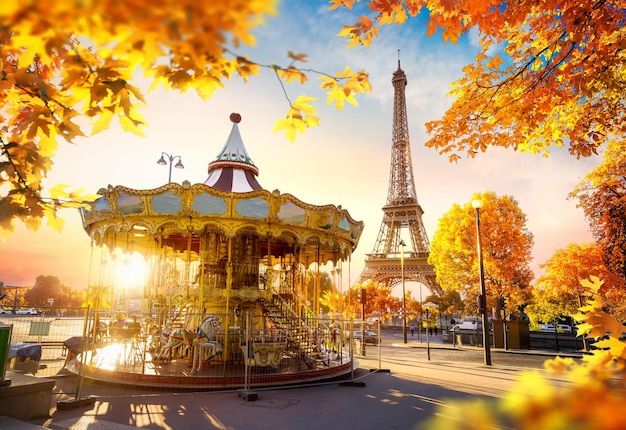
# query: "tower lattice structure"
x,y
401,212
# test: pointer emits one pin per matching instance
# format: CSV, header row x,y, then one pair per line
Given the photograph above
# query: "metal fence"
x,y
39,342
188,352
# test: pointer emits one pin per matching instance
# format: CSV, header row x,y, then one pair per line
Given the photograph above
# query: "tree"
x,y
46,287
547,74
507,247
449,303
379,299
66,70
602,195
559,292
326,285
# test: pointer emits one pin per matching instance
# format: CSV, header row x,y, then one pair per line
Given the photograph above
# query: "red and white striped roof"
x,y
233,170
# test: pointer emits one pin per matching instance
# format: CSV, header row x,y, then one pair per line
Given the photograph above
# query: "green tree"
x,y
46,287
507,248
602,195
325,287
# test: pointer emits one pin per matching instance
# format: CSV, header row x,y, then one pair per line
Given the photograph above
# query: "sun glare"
x,y
131,271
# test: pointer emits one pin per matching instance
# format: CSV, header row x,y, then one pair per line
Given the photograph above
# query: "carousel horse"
x,y
204,349
159,337
185,339
206,346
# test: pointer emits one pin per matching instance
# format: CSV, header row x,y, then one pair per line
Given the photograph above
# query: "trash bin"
x,y
5,345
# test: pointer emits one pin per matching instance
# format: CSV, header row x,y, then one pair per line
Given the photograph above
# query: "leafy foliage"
x,y
546,74
507,248
46,286
595,388
559,291
67,70
379,299
602,195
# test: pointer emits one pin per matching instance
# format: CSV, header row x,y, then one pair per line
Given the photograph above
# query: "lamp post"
x,y
402,245
477,204
162,161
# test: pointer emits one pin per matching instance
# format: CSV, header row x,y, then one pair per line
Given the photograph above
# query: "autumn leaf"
x,y
298,118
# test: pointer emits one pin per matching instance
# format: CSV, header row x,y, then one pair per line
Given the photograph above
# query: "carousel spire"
x,y
233,170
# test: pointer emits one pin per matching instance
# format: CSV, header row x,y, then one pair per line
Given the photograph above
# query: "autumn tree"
x,y
507,248
379,299
67,70
450,303
602,196
546,74
559,293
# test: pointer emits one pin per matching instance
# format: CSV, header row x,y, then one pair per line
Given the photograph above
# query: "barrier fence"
x,y
189,352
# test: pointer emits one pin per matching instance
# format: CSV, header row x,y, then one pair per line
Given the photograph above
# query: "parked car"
x,y
550,328
468,325
27,311
5,311
368,337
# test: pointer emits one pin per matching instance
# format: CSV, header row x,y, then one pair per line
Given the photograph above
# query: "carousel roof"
x,y
233,170
230,201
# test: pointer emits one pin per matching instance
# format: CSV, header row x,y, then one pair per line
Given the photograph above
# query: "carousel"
x,y
224,301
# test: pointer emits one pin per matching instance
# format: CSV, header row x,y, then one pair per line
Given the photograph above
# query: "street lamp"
x,y
477,204
162,161
402,245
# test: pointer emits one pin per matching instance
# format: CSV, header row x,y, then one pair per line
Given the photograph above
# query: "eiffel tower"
x,y
402,212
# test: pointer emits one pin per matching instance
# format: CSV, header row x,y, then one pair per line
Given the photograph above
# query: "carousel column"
x,y
339,277
317,284
229,282
188,265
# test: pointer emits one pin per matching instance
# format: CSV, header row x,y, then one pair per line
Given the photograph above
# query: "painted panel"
x,y
292,213
128,204
166,203
206,204
344,224
253,208
102,205
326,222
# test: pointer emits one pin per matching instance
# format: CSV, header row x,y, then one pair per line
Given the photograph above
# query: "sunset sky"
x,y
344,162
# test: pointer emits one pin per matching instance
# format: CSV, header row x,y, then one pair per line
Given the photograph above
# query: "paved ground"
x,y
403,394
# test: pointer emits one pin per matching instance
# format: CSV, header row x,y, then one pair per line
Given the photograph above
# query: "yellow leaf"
x,y
103,121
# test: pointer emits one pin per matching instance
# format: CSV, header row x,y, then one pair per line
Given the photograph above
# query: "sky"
x,y
345,161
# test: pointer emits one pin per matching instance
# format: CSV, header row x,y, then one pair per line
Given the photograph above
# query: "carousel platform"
x,y
125,364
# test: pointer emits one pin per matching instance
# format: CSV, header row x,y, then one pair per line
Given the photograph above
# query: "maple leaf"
x,y
298,57
298,118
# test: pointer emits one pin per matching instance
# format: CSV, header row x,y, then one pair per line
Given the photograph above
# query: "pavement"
x,y
398,392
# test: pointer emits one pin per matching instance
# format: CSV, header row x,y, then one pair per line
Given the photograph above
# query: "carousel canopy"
x,y
233,170
230,202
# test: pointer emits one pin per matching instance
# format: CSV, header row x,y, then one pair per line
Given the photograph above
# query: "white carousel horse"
x,y
206,346
204,351
185,339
